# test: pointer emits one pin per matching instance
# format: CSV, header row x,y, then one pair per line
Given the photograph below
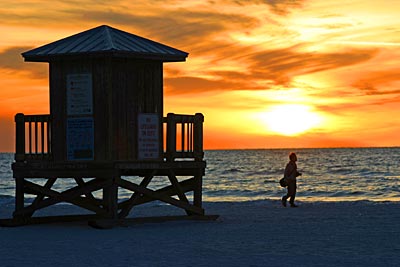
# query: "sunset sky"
x,y
265,73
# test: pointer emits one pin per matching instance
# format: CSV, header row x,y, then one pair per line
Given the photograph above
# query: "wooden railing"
x,y
184,136
32,137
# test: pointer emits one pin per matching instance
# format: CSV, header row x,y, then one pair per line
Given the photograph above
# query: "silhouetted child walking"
x,y
290,176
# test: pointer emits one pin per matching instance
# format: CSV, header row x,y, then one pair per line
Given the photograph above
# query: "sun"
x,y
291,119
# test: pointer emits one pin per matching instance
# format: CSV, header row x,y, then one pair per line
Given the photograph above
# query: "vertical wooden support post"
x,y
110,199
198,137
20,137
171,137
198,156
197,192
19,193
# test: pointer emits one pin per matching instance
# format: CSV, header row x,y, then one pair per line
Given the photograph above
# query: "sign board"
x,y
148,136
80,138
79,94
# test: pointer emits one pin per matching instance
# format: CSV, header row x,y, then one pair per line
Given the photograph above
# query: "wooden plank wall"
x,y
122,88
137,88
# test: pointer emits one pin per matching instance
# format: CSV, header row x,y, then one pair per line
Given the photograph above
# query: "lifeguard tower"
x,y
105,127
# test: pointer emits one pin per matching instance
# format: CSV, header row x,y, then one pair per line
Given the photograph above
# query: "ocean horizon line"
x,y
302,148
279,148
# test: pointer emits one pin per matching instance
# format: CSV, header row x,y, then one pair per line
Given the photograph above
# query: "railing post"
x,y
48,133
198,137
19,137
171,136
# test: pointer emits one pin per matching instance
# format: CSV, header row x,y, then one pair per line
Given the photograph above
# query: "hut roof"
x,y
105,40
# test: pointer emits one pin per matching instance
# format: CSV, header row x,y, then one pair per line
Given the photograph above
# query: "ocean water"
x,y
341,174
328,174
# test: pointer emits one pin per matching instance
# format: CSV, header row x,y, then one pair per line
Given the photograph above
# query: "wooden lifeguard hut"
x,y
105,128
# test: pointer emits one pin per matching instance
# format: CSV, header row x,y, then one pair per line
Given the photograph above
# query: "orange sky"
x,y
265,73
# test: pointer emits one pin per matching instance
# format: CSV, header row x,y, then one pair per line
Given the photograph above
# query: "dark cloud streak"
x,y
193,85
375,82
11,60
274,68
279,7
281,65
184,27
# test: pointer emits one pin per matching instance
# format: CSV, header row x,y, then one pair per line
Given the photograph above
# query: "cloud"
x,y
378,82
11,57
205,34
281,65
40,13
278,67
280,7
184,27
185,84
267,69
11,60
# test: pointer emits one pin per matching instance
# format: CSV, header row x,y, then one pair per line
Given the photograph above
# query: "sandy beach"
x,y
254,233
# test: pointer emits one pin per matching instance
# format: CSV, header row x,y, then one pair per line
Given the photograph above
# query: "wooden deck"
x,y
182,158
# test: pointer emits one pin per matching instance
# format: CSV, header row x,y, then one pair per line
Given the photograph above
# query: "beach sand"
x,y
255,233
